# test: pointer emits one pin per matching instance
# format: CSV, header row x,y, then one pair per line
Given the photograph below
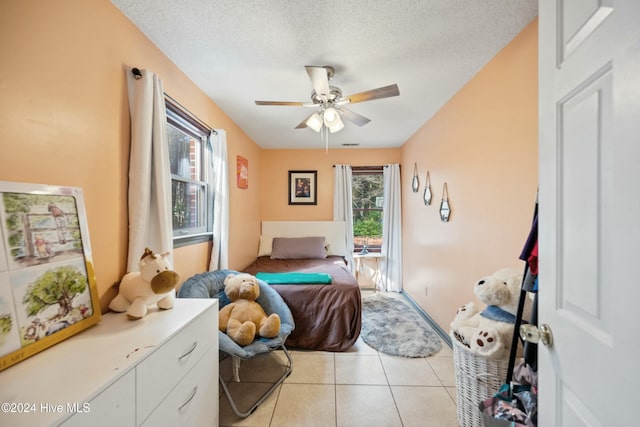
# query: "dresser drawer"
x,y
115,406
194,401
159,373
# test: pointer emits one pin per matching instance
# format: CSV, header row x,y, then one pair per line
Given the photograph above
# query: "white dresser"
x,y
158,371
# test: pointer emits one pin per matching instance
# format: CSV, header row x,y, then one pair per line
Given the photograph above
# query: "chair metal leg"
x,y
234,407
235,367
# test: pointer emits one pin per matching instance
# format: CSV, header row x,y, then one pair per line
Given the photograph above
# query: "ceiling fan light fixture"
x,y
330,115
329,100
315,122
332,120
337,125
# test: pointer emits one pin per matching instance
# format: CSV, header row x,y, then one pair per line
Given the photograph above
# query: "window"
x,y
367,195
189,156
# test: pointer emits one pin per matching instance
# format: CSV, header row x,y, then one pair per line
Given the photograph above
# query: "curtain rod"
x,y
137,74
185,111
367,167
363,167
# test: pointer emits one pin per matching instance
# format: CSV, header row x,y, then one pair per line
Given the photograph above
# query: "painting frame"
x,y
48,291
303,187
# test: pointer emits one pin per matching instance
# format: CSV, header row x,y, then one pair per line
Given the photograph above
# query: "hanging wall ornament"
x,y
445,209
415,183
427,190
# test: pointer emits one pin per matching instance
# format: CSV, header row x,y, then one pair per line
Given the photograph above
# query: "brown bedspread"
x,y
327,317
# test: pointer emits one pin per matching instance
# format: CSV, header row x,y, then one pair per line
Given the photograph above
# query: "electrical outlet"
x,y
426,290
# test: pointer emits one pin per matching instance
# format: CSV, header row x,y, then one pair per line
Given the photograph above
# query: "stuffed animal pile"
x,y
154,284
489,333
244,319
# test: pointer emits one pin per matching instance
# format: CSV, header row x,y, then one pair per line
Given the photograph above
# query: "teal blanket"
x,y
295,278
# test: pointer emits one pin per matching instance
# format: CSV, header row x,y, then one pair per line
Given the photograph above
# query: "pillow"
x,y
265,245
298,247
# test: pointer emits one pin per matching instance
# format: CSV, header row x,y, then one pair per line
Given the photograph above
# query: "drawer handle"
x,y
189,399
188,352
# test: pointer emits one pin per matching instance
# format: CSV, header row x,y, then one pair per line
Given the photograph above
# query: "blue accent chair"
x,y
211,285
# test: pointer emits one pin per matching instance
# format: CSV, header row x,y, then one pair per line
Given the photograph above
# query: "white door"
x,y
589,212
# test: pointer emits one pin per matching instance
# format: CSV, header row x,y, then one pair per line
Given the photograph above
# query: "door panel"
x,y
579,19
589,210
583,118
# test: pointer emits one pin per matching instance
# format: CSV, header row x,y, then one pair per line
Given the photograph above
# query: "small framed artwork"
x,y
303,187
47,287
242,171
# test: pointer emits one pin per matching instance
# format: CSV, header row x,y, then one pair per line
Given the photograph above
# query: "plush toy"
x,y
155,283
489,333
243,319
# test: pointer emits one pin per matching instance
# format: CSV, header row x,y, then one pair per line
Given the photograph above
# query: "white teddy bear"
x,y
489,333
155,283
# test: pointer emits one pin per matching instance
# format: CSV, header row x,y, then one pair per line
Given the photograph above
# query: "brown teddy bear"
x,y
243,319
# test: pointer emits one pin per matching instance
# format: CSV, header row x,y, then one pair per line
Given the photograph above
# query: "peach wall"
x,y
483,143
65,120
276,165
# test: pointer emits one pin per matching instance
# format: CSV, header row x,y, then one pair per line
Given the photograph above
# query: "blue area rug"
x,y
393,327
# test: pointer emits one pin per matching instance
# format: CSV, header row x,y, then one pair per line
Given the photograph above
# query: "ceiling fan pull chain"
x,y
324,132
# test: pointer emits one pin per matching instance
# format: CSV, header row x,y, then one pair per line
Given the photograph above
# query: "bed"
x,y
327,315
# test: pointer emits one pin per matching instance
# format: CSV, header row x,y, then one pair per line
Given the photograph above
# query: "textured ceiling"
x,y
241,51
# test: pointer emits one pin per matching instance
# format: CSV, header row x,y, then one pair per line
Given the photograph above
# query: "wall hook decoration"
x,y
415,183
427,190
445,209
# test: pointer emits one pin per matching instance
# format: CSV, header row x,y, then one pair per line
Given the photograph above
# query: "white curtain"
x,y
150,223
219,181
391,263
343,207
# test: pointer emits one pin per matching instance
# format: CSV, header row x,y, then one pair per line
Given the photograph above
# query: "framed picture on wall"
x,y
242,172
47,287
303,187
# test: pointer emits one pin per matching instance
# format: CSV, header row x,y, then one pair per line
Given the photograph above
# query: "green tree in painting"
x,y
5,323
58,286
18,203
16,207
5,327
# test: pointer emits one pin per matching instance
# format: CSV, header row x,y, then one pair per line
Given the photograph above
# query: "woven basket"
x,y
477,378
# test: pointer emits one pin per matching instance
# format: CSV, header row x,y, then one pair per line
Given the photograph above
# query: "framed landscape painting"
x,y
47,287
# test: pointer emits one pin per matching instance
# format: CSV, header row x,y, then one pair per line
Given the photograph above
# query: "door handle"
x,y
532,334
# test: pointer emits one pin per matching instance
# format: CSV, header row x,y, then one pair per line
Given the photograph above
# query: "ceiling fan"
x,y
330,101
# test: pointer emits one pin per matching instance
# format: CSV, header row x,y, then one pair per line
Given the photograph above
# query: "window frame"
x,y
182,120
367,170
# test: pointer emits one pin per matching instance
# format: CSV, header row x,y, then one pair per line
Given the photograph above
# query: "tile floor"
x,y
359,387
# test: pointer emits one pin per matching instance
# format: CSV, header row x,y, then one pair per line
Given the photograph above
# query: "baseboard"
x,y
443,334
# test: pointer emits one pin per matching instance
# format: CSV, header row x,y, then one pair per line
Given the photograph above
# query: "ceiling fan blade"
x,y
381,92
293,104
319,79
353,117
